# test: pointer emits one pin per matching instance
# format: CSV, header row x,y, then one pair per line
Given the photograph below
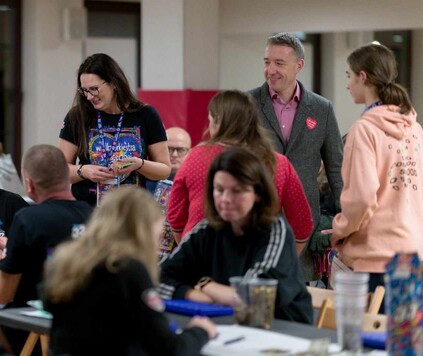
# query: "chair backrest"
x,y
319,295
376,300
327,319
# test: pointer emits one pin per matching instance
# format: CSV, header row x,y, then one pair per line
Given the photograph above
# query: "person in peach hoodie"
x,y
382,170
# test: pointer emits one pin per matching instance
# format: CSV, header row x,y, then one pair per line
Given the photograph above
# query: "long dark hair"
x,y
380,66
248,169
239,124
82,114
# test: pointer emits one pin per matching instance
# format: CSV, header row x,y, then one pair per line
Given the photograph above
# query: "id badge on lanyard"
x,y
104,187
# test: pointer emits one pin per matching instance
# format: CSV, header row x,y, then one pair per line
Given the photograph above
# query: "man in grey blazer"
x,y
302,124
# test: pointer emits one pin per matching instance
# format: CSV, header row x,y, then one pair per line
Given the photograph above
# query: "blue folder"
x,y
374,340
188,307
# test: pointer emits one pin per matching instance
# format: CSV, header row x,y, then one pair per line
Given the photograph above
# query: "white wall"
x,y
201,44
49,65
241,61
223,47
268,16
162,47
180,45
122,50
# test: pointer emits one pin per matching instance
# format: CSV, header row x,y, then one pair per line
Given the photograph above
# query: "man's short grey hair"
x,y
287,39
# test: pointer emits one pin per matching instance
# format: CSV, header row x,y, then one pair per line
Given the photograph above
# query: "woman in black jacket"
x,y
242,236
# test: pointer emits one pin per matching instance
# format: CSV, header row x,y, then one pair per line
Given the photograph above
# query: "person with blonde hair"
x,y
234,121
382,198
100,288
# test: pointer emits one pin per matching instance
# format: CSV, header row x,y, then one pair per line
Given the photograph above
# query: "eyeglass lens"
x,y
93,91
180,150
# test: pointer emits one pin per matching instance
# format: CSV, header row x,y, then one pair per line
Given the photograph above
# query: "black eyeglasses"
x,y
181,151
94,91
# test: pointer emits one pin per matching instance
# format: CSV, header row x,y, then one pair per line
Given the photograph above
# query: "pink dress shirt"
x,y
285,112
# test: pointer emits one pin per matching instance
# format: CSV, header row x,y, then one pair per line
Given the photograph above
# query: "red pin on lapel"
x,y
311,123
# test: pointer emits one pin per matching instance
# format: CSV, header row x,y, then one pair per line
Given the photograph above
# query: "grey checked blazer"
x,y
315,135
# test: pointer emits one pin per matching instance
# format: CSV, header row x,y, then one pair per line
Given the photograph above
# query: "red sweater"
x,y
186,204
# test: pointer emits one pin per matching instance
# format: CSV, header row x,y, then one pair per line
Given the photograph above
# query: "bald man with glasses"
x,y
179,144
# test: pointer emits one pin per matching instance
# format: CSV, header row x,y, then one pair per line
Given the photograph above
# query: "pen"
x,y
231,341
175,327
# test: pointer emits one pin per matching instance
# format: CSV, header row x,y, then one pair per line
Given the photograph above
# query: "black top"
x,y
35,231
220,254
10,203
139,130
119,313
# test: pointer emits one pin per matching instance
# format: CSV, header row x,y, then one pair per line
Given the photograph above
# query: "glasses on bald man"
x,y
181,151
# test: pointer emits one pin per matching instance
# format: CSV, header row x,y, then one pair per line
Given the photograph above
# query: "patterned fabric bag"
x,y
161,194
320,247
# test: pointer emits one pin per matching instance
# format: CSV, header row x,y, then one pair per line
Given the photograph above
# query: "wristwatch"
x,y
79,171
203,281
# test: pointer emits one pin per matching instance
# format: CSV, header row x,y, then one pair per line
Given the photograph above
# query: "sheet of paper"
x,y
255,342
38,314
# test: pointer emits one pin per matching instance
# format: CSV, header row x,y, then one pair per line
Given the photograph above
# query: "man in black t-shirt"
x,y
38,229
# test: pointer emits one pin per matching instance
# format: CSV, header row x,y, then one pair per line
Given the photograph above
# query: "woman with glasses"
x,y
109,137
234,121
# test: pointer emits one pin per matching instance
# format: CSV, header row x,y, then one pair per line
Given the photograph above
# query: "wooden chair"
x,y
31,341
327,319
3,341
319,295
376,300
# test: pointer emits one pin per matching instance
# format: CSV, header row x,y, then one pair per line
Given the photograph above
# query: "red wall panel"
x,y
184,108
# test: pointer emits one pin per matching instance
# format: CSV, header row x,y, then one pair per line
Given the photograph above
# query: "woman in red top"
x,y
234,121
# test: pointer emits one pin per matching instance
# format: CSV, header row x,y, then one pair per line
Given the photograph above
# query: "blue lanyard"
x,y
104,152
377,103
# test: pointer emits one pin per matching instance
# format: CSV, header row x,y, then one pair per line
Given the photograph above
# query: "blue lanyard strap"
x,y
371,106
105,155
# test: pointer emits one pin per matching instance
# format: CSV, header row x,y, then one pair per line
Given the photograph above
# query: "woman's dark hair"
x,y
83,114
248,169
239,124
380,66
